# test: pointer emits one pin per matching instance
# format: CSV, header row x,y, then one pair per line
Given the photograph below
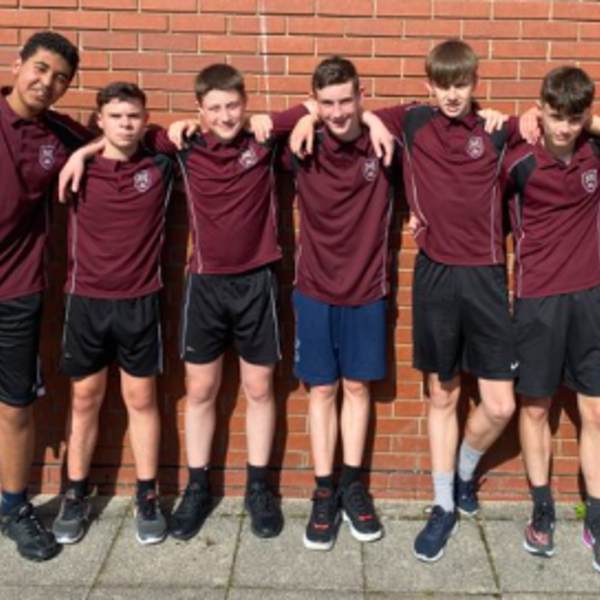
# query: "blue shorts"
x,y
338,341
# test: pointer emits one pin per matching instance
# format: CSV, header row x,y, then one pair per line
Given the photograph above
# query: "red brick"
x,y
94,60
79,20
405,8
366,27
225,45
351,8
515,89
589,31
388,47
576,11
569,51
138,22
306,7
257,25
109,40
317,26
48,3
178,42
271,65
497,69
199,24
17,18
553,31
147,61
383,67
9,37
491,29
516,49
109,4
344,46
521,10
9,3
536,69
229,6
290,45
473,9
432,28
193,62
161,6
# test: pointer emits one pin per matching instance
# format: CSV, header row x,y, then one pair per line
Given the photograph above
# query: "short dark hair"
x,y
54,42
122,91
568,90
221,77
450,63
334,71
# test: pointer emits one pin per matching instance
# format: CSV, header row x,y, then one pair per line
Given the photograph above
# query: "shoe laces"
x,y
148,506
261,499
358,498
436,520
72,508
543,517
28,520
322,505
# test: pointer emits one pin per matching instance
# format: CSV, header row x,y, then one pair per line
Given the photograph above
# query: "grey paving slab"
x,y
76,565
42,593
206,560
390,565
569,571
556,595
284,563
429,596
157,593
262,594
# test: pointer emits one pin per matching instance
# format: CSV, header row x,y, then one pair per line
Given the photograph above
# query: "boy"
x,y
341,288
461,318
555,215
116,229
231,289
34,144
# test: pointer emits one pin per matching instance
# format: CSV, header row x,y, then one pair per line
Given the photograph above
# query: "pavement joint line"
x,y
94,583
230,580
488,550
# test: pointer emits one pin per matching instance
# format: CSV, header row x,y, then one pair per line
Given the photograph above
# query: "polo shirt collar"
x,y
581,151
470,120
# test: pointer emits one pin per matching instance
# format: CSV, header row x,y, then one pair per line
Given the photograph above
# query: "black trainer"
x,y
359,512
539,532
193,509
430,543
70,525
266,518
324,520
465,496
24,528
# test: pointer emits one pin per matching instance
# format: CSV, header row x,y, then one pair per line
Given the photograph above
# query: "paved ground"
x,y
226,562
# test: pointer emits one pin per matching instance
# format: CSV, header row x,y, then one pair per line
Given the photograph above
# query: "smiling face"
x,y
338,106
40,81
454,100
561,131
123,123
223,113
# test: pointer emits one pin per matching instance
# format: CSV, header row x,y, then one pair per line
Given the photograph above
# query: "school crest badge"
x,y
142,180
248,158
589,180
370,169
475,146
47,157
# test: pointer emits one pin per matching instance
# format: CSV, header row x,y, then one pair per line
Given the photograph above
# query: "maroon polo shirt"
x,y
451,178
555,218
116,227
230,188
345,204
31,155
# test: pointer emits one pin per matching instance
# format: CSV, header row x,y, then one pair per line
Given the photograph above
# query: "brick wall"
x,y
277,43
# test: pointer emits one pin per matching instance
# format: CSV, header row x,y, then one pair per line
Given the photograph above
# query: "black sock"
x,y
349,476
325,482
199,476
542,494
592,509
143,486
79,486
256,475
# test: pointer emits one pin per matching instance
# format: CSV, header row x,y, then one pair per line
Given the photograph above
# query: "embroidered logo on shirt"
x,y
371,169
142,180
589,180
47,157
475,146
248,158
